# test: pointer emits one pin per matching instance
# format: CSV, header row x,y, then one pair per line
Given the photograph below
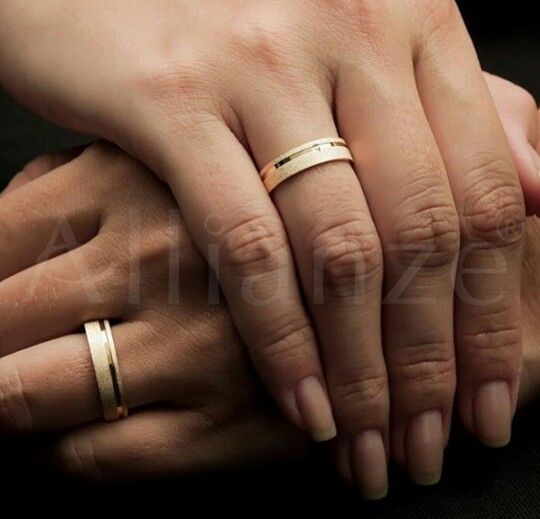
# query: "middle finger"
x,y
402,173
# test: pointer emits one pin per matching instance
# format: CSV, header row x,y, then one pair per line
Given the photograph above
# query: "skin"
x,y
212,91
194,395
211,410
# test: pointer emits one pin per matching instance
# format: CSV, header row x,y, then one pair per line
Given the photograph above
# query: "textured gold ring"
x,y
106,367
303,157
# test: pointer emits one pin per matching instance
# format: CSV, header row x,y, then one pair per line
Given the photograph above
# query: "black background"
x,y
477,482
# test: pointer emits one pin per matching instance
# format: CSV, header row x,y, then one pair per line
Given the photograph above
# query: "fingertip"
x,y
493,414
369,460
315,409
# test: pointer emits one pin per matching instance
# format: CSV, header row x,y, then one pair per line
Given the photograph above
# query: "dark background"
x,y
477,482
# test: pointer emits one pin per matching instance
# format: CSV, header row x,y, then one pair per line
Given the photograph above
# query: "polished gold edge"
x,y
116,376
106,367
285,157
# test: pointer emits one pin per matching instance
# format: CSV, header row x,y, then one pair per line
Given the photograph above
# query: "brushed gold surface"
x,y
316,154
106,367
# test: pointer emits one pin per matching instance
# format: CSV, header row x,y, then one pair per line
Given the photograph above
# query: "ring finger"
x,y
339,260
34,397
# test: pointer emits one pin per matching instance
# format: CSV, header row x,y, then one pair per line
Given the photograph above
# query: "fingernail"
x,y
315,409
425,448
493,414
369,464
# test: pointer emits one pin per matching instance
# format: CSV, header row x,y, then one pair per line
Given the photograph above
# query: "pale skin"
x,y
207,93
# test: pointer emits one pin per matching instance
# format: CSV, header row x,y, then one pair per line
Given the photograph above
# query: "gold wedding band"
x,y
105,360
303,157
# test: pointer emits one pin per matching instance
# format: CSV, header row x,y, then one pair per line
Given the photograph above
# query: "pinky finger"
x,y
165,443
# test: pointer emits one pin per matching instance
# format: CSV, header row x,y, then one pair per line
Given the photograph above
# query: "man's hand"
x,y
84,241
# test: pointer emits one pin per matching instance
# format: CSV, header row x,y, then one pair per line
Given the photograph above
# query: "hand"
x,y
519,115
216,417
84,242
206,93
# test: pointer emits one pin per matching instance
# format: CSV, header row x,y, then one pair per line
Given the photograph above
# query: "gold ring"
x,y
105,361
303,157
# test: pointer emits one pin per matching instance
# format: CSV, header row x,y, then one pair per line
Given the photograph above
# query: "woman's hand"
x,y
207,92
520,118
85,242
194,405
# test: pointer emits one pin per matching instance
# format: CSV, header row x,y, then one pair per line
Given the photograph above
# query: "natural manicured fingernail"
x,y
315,409
369,462
493,413
425,448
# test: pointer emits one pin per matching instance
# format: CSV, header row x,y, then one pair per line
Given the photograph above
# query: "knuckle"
x,y
494,210
76,456
348,256
354,10
364,23
182,89
157,246
164,80
264,41
436,15
431,364
105,267
287,344
498,345
15,412
105,259
256,243
359,390
431,232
